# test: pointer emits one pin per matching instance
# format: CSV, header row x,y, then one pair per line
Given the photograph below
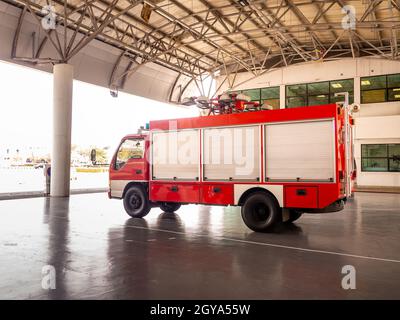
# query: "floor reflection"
x,y
197,252
56,215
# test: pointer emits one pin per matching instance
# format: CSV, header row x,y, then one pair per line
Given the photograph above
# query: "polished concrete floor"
x,y
199,252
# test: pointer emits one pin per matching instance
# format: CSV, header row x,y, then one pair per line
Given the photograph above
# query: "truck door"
x,y
129,164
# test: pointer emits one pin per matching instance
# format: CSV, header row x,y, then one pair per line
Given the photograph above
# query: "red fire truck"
x,y
274,164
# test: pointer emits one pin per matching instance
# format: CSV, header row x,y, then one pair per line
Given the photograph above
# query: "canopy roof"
x,y
197,38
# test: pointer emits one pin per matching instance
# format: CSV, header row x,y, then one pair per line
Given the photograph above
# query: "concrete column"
x,y
62,121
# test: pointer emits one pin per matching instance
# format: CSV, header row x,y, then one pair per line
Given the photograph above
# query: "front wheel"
x,y
170,206
136,202
261,212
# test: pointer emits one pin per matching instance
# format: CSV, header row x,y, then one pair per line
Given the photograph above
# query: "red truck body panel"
x,y
237,119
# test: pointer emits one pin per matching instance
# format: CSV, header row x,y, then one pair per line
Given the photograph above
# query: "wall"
x,y
376,130
375,123
314,72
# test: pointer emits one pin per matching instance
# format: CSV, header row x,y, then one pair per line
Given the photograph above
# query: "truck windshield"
x,y
129,149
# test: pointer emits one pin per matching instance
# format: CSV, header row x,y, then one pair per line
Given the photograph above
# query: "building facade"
x,y
373,83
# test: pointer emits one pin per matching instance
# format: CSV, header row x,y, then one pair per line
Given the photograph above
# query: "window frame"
x,y
307,96
260,94
387,88
388,158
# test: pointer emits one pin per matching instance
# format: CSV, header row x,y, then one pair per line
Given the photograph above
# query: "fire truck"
x,y
274,164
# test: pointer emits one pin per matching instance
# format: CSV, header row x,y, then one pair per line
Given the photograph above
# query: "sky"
x,y
98,119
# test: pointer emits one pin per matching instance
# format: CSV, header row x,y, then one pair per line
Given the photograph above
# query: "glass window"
x,y
254,94
394,94
374,164
270,93
394,157
369,83
271,96
275,103
394,150
318,100
296,102
393,80
380,89
380,157
394,165
374,150
296,90
318,93
373,96
129,149
342,86
318,88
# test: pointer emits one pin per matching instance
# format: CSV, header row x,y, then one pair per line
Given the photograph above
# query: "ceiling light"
x,y
321,96
365,82
336,85
243,3
397,96
396,89
146,12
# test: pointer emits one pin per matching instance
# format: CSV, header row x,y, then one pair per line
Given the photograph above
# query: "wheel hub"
x,y
261,212
135,201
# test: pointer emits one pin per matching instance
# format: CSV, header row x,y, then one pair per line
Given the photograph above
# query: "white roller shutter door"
x,y
232,153
300,150
176,155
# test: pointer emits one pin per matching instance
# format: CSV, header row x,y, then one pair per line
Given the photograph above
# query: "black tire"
x,y
136,202
261,212
293,216
169,206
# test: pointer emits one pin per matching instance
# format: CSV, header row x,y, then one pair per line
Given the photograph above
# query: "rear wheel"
x,y
261,212
169,206
293,216
136,202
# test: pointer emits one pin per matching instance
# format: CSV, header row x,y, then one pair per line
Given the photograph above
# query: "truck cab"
x,y
129,176
129,164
